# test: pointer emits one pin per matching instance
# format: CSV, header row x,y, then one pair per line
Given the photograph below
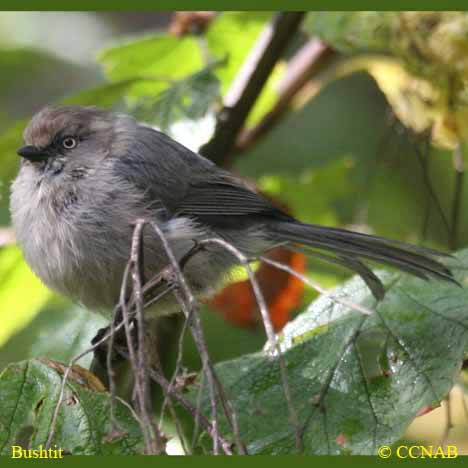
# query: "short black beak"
x,y
32,153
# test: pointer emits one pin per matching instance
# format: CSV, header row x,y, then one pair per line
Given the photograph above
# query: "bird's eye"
x,y
69,143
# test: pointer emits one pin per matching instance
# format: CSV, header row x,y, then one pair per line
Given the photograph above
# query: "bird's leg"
x,y
197,247
99,364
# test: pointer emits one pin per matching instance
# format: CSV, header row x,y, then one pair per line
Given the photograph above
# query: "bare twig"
x,y
168,403
459,167
269,330
188,303
313,56
196,426
430,189
249,83
138,390
53,423
448,421
153,438
190,22
463,401
109,356
187,405
178,366
317,287
425,167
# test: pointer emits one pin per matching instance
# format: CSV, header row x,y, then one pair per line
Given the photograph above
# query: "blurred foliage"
x,y
429,73
60,332
18,307
30,77
334,159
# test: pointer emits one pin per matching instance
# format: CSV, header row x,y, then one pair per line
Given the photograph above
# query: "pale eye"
x,y
69,143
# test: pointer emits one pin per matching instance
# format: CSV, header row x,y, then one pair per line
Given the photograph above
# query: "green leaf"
x,y
30,390
158,59
357,381
157,55
189,98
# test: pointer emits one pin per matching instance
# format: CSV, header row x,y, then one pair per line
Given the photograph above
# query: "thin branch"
x,y
317,287
425,163
463,401
269,330
110,369
178,366
249,83
431,191
459,167
448,421
196,426
188,303
311,58
154,443
169,404
187,405
134,364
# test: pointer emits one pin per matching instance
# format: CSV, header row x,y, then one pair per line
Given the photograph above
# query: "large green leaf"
x,y
158,58
356,380
30,390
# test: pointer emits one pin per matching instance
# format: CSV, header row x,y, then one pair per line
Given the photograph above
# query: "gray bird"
x,y
88,174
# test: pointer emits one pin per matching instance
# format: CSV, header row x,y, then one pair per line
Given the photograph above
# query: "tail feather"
x,y
349,248
355,265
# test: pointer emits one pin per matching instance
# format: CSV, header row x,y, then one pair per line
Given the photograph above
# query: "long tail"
x,y
350,248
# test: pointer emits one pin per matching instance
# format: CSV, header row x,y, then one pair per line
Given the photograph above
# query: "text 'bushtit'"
x,y
88,174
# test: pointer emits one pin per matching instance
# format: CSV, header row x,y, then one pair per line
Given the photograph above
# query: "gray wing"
x,y
220,195
185,183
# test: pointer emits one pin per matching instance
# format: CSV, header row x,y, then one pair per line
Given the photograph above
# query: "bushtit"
x,y
88,174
